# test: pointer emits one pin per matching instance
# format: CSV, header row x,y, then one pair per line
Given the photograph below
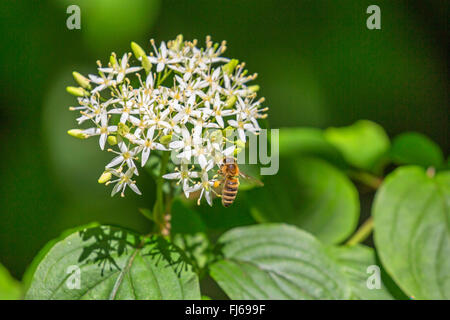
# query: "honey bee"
x,y
230,172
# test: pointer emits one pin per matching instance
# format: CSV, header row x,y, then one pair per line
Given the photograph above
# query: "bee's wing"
x,y
251,179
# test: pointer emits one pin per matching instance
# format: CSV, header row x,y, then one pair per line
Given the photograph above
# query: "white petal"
x,y
145,154
163,49
124,61
220,121
149,80
116,189
135,188
241,134
176,145
208,198
228,151
172,176
233,123
187,76
123,147
102,141
124,117
151,132
202,161
117,160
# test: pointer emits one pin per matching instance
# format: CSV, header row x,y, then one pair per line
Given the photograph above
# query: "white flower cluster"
x,y
168,102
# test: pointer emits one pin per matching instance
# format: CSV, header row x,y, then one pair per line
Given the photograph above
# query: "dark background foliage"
x,y
317,62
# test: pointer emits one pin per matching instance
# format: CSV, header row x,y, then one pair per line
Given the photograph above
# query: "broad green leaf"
x,y
196,247
276,261
356,263
308,142
363,144
29,272
415,148
311,194
10,288
112,263
412,231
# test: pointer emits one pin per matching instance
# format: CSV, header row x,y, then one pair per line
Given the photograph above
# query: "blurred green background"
x,y
317,62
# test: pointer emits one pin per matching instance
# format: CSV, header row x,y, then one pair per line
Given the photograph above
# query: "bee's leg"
x,y
216,184
218,195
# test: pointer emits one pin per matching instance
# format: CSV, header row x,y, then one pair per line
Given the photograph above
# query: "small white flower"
x,y
148,144
205,187
186,143
242,125
187,111
120,69
161,59
184,177
102,82
124,180
125,156
103,130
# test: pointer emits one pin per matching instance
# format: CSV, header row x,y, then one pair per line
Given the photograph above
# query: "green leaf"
x,y
354,262
412,231
113,264
415,148
311,194
196,247
29,272
10,288
308,142
276,261
363,144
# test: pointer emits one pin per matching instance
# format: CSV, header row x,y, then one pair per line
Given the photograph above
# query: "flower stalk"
x,y
362,233
159,209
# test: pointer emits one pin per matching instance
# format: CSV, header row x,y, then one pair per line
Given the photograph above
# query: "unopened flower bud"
x,y
230,102
253,88
77,91
112,140
77,133
229,67
105,177
139,53
237,151
177,43
216,136
137,50
112,59
165,140
240,143
228,131
81,80
122,129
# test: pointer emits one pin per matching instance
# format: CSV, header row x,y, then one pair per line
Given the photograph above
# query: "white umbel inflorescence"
x,y
178,98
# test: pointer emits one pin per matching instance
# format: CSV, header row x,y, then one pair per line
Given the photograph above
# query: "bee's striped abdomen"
x,y
229,191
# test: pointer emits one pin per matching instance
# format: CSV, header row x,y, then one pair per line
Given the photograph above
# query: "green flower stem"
x,y
166,74
159,208
362,233
366,228
366,178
